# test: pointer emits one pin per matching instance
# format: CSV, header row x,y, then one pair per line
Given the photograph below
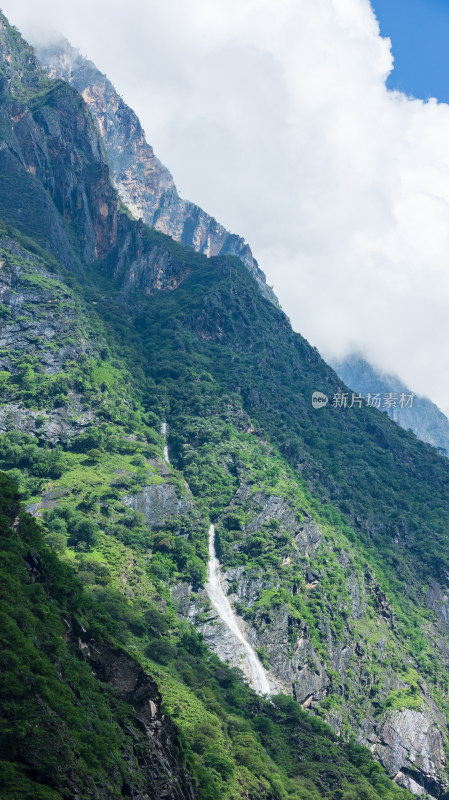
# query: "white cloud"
x,y
273,115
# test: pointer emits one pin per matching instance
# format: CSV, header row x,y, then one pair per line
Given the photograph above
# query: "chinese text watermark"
x,y
385,401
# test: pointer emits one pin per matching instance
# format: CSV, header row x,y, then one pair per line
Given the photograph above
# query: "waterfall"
x,y
164,434
256,674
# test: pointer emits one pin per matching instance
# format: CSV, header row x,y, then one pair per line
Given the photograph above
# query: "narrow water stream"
x,y
256,673
164,434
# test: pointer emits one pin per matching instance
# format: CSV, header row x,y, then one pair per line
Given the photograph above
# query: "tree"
x,y
84,534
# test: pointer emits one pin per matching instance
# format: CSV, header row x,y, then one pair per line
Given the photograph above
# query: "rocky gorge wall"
x,y
145,185
78,379
342,681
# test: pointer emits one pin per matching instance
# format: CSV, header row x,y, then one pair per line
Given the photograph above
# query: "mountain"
x,y
423,417
83,718
145,186
157,409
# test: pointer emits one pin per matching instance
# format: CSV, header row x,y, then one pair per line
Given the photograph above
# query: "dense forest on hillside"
x,y
330,524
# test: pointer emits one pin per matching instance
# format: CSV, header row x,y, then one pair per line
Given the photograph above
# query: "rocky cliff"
x,y
52,164
145,185
336,674
330,525
72,686
158,751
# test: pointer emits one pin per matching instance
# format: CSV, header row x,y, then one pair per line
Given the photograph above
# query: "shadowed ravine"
x,y
256,674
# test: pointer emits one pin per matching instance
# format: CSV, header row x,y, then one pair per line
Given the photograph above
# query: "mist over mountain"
x,y
181,528
414,413
275,118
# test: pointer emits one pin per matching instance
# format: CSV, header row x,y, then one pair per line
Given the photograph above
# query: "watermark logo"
x,y
385,402
319,400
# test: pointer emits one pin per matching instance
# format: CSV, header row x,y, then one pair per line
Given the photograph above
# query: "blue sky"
x,y
419,32
273,116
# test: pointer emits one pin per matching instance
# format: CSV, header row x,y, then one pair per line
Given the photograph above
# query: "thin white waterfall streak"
x,y
164,434
256,674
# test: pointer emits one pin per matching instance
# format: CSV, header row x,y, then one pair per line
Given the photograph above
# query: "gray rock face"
x,y
144,184
332,673
32,298
146,269
217,634
53,156
156,742
47,143
410,747
158,503
48,501
20,68
56,426
40,318
438,600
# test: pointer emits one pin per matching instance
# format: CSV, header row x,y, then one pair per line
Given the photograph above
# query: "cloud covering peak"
x,y
273,116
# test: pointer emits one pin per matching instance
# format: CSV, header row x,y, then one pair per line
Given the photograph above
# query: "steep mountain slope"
x,y
144,184
85,489
86,720
424,418
331,524
338,612
79,718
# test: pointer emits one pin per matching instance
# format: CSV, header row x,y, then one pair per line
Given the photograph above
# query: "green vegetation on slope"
x,y
217,351
89,370
61,729
126,385
387,483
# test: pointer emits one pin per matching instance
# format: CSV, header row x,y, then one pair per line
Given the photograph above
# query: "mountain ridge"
x,y
424,418
330,524
145,185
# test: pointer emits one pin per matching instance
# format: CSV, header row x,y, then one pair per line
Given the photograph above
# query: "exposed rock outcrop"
x,y
144,184
52,160
50,146
56,426
31,321
330,673
151,745
410,747
158,756
158,503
